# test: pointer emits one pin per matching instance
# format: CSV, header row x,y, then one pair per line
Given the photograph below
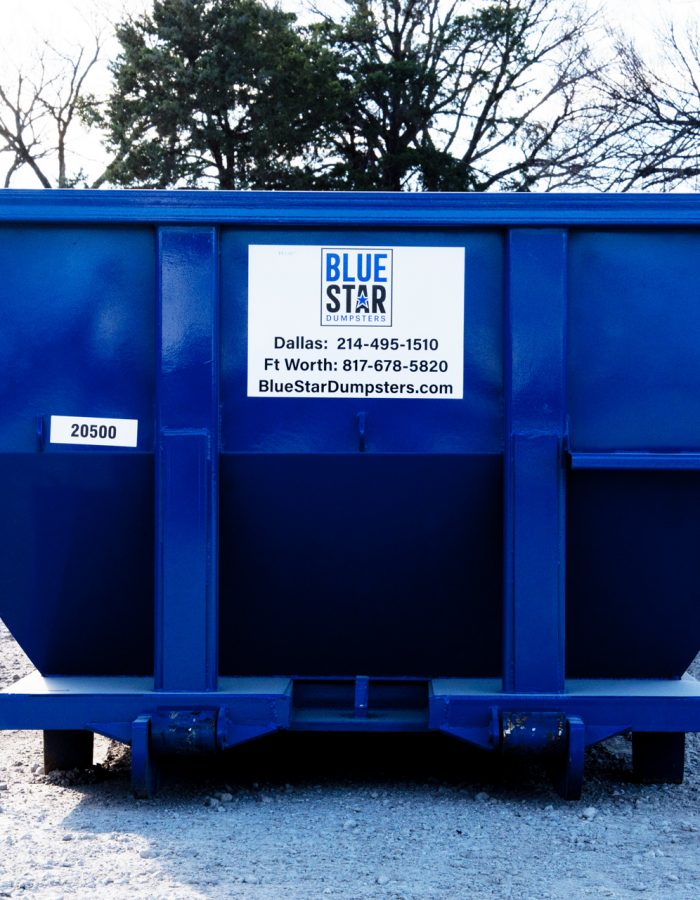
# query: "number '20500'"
x,y
104,432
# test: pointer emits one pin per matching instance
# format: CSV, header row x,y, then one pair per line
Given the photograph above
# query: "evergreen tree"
x,y
223,93
395,95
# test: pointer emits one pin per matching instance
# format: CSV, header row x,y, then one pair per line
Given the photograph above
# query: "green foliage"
x,y
215,92
396,95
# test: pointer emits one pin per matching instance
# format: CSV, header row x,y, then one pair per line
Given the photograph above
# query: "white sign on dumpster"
x,y
90,430
344,321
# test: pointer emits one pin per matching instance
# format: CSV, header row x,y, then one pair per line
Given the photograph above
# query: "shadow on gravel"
x,y
297,807
359,760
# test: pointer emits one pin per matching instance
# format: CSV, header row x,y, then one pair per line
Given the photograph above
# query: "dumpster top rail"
x,y
354,209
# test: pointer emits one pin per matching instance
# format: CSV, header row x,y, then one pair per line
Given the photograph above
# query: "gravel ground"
x,y
359,817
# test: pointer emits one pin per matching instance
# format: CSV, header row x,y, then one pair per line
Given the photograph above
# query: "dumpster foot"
x,y
658,757
567,771
144,769
65,750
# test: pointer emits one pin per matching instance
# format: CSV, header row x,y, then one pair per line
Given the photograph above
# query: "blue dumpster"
x,y
333,462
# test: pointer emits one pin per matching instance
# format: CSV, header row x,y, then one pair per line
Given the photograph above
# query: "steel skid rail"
x,y
556,726
186,707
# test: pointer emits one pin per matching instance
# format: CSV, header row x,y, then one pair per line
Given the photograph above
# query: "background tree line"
x,y
468,95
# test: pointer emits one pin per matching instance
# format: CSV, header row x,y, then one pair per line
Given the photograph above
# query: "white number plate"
x,y
88,430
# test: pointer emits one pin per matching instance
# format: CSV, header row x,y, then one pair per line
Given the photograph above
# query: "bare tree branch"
x,y
38,111
468,96
658,109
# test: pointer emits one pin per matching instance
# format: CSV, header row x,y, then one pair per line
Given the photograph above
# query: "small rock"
x,y
382,879
67,837
148,854
250,879
590,812
482,797
212,802
673,878
3,786
374,795
226,797
349,823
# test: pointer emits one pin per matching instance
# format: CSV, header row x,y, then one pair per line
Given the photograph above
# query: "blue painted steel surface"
x,y
265,425
634,382
632,573
353,209
621,460
144,768
187,461
77,336
370,565
323,573
534,475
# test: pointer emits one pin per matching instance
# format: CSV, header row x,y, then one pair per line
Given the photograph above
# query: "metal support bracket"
x,y
144,771
64,749
559,738
567,771
184,732
532,732
213,723
361,696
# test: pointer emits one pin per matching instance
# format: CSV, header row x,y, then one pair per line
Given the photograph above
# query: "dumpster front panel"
x,y
634,388
634,357
633,574
76,525
337,564
304,424
360,533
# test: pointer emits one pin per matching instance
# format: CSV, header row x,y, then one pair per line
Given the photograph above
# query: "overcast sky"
x,y
25,23
68,19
